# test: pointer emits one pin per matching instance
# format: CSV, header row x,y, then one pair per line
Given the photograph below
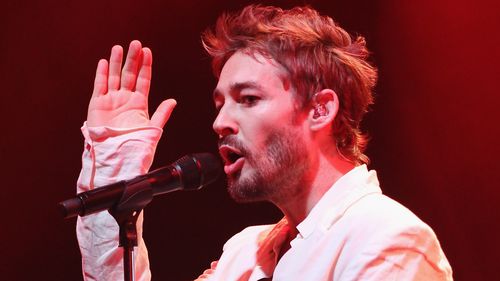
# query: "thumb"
x,y
162,113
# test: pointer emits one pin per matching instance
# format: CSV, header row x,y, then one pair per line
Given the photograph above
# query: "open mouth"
x,y
229,154
233,159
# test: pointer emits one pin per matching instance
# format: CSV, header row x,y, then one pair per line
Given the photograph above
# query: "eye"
x,y
249,100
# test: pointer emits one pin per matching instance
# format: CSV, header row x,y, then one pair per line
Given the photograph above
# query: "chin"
x,y
245,190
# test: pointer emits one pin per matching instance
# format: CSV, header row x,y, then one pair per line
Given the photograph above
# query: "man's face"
x,y
261,130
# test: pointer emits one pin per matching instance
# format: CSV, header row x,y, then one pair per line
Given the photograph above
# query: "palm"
x,y
119,109
120,97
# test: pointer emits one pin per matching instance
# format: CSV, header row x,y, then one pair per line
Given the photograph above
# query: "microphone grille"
x,y
198,169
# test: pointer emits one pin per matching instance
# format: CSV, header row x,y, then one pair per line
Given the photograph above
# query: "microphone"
x,y
190,172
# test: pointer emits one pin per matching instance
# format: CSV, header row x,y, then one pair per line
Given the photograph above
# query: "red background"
x,y
434,128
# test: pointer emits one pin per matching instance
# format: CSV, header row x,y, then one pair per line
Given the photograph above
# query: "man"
x,y
292,90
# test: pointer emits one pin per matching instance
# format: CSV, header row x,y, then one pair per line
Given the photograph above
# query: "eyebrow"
x,y
238,87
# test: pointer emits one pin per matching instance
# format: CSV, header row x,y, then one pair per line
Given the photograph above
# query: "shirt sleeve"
x,y
111,155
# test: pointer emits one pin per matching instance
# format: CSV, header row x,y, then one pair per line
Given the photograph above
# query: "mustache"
x,y
233,141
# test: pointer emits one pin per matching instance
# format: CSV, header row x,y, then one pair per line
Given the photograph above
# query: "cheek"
x,y
258,126
256,132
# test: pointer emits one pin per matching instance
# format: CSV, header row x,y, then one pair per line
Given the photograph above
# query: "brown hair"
x,y
317,54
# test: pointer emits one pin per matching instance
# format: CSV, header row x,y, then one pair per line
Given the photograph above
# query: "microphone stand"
x,y
190,172
135,197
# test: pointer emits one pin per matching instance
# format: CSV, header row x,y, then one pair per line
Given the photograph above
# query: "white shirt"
x,y
353,233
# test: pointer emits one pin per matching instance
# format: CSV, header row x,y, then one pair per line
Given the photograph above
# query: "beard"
x,y
278,171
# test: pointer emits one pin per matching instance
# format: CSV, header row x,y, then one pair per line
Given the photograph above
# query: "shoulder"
x,y
380,213
379,228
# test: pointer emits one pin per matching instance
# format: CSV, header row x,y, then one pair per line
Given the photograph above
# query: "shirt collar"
x,y
344,192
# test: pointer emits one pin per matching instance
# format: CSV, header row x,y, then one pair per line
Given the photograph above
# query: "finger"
x,y
101,79
162,113
115,65
129,73
144,77
213,264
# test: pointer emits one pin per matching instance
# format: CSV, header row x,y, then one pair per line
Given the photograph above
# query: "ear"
x,y
323,109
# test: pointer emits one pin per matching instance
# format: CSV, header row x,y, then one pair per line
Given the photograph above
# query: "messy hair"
x,y
316,54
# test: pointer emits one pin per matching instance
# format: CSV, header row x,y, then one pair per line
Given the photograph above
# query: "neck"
x,y
324,173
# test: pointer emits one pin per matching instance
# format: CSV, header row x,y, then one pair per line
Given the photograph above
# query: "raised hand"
x,y
120,97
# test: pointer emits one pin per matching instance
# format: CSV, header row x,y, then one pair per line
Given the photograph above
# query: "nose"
x,y
225,123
